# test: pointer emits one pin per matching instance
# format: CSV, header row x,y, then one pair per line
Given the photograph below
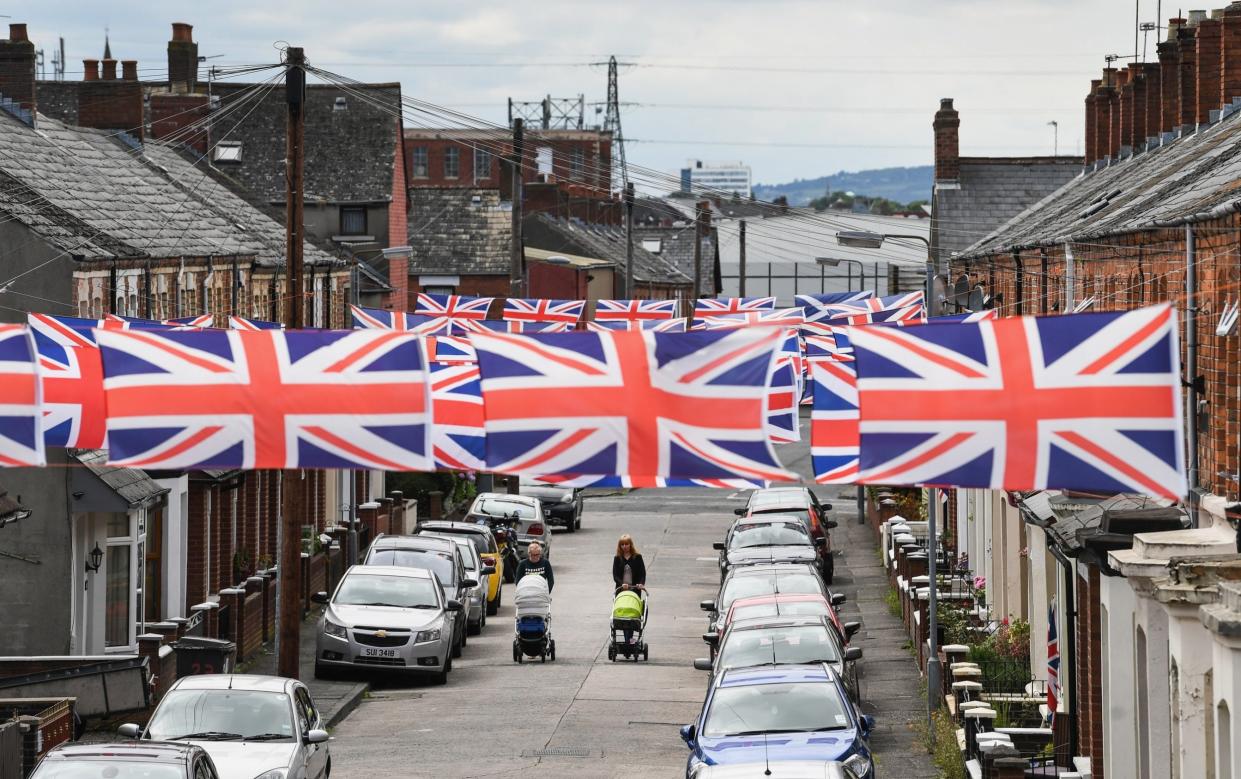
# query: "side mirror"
x,y
489,570
718,545
868,724
853,653
702,664
711,638
130,730
707,605
825,506
688,732
851,628
453,605
316,736
830,524
319,597
820,541
838,598
739,512
467,583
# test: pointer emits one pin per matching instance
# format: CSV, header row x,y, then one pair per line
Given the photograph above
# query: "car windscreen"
x,y
95,769
773,646
480,541
503,508
768,584
786,707
758,534
222,715
765,501
438,562
371,589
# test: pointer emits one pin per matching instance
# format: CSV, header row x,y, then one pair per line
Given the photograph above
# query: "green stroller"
x,y
629,613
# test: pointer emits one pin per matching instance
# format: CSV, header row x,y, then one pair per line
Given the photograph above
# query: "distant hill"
x,y
903,185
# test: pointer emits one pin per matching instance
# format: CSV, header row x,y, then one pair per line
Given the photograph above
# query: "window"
x,y
577,164
116,610
151,586
433,290
543,159
482,165
452,162
418,162
226,151
352,220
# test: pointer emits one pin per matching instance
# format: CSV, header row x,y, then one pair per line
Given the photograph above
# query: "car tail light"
x,y
536,529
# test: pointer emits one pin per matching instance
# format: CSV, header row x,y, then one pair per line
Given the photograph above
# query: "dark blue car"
x,y
776,713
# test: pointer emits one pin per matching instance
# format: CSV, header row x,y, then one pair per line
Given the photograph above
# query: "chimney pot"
x,y
947,143
182,32
129,70
91,68
1196,17
109,70
17,32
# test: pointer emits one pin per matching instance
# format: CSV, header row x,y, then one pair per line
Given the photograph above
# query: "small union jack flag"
x,y
202,320
71,380
637,404
625,482
677,325
450,349
452,306
21,434
379,319
611,310
267,399
908,306
818,306
784,317
457,439
521,310
782,418
241,323
1084,401
1053,662
117,322
705,307
509,326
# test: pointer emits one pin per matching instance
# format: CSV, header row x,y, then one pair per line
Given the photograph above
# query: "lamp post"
x,y
864,239
834,262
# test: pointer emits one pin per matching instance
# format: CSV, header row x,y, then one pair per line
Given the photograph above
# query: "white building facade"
x,y
716,177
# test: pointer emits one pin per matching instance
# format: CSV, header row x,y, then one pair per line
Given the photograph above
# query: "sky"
x,y
794,88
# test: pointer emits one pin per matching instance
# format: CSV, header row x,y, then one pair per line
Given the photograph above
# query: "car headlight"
x,y
332,629
275,773
427,635
857,766
567,497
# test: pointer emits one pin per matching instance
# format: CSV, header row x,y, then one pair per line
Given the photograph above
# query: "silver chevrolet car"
x,y
386,617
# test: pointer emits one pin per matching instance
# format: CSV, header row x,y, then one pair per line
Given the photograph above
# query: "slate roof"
x,y
1180,179
676,248
133,486
350,153
451,232
993,191
604,242
97,197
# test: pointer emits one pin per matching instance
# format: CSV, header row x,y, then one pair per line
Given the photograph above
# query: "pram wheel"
x,y
516,653
612,653
646,652
551,651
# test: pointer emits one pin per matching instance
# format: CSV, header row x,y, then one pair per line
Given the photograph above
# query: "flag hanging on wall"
x,y
21,426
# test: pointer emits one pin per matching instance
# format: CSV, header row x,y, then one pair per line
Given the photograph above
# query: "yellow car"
x,y
487,548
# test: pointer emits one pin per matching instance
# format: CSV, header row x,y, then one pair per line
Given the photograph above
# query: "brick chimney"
x,y
1169,79
1122,121
1188,97
1092,139
109,70
129,70
1230,54
1207,62
90,70
1105,98
947,144
109,103
1152,76
182,59
17,72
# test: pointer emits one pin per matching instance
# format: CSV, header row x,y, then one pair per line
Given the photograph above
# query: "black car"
x,y
769,538
438,555
136,759
803,502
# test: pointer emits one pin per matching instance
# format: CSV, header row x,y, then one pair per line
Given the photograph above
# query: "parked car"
x,y
751,580
266,727
803,502
485,542
561,505
785,769
790,605
768,538
132,759
522,512
442,557
804,707
774,641
476,609
387,617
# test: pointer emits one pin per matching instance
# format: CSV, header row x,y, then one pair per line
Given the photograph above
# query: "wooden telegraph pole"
x,y
697,254
741,264
288,631
628,240
516,261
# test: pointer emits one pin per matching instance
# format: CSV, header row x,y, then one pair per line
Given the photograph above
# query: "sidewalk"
x,y
889,678
335,699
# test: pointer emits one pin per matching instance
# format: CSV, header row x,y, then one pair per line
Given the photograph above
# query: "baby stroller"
x,y
532,632
629,612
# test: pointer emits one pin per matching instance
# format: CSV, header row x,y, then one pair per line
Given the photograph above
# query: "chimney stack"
x,y
1207,61
182,59
1092,125
1230,54
109,103
1188,92
947,144
1104,100
129,70
1122,115
109,70
1169,78
17,69
1152,77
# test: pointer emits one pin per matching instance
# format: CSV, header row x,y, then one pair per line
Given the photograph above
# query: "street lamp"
x,y
834,262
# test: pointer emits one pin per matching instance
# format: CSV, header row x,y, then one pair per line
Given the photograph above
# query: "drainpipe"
x,y
1191,365
1070,691
1070,278
180,285
236,287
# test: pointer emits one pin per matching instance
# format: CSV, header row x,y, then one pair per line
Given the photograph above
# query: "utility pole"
x,y
292,509
697,251
741,269
515,258
628,240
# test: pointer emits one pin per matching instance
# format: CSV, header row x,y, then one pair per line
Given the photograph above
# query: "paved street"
x,y
585,716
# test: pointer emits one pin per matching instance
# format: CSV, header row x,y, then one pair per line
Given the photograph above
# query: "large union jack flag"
x,y
818,306
118,322
1084,401
241,323
625,482
71,380
677,325
704,307
641,405
834,421
783,317
269,399
540,310
457,439
782,417
606,310
452,306
21,430
401,321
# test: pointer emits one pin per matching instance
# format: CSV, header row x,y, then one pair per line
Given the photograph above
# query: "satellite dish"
x,y
974,301
939,289
961,290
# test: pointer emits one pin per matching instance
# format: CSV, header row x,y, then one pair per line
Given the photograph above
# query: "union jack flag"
x,y
786,317
677,325
782,418
1084,401
267,399
241,323
539,310
71,381
379,319
834,422
1053,663
21,434
202,320
452,306
450,348
117,322
818,306
635,309
905,306
457,439
625,482
637,404
509,326
704,307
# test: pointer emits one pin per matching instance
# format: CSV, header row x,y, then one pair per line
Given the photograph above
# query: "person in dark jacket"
x,y
628,571
536,565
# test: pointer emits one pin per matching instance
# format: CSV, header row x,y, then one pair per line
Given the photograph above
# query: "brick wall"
x,y
398,210
595,155
484,286
172,114
112,105
196,577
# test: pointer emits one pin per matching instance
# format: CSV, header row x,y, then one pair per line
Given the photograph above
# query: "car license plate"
x,y
378,652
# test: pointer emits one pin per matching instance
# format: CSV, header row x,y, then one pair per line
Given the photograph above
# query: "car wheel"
x,y
571,525
493,607
458,646
831,571
322,671
440,677
327,769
